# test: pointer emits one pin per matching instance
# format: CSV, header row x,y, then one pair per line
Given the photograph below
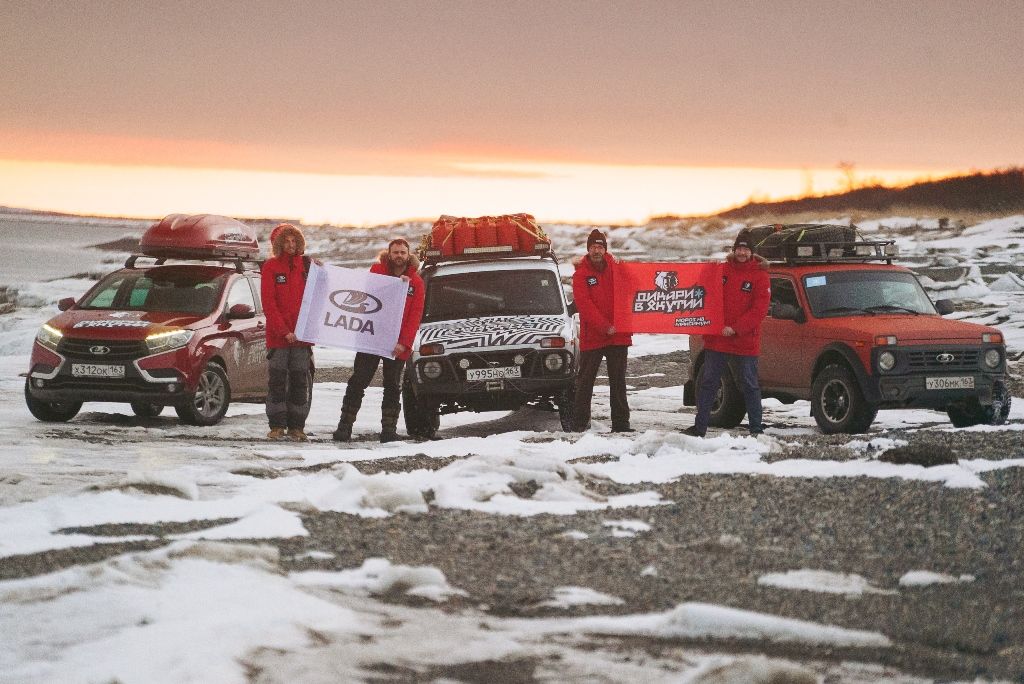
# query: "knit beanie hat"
x,y
596,237
743,240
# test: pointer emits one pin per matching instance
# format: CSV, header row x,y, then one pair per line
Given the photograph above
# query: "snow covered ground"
x,y
212,603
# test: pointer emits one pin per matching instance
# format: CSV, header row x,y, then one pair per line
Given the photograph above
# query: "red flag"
x,y
669,298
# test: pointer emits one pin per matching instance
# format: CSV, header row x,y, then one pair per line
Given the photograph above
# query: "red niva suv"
x,y
854,333
187,334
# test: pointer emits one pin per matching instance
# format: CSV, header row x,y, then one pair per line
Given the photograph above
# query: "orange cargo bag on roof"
x,y
529,233
442,234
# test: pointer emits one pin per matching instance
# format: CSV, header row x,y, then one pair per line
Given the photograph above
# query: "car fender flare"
x,y
849,357
210,351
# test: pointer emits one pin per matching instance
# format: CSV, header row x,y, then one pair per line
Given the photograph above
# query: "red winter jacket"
x,y
746,292
592,290
281,286
413,303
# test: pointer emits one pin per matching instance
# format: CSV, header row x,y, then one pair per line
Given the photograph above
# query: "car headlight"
x,y
49,337
432,370
993,358
553,362
166,341
886,361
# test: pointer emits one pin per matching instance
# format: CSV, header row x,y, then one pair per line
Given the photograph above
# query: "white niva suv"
x,y
497,334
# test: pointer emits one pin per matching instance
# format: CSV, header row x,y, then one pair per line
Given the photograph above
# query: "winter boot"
x,y
349,410
298,435
276,433
389,425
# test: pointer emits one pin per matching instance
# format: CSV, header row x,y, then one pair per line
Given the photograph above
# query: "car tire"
x,y
728,409
421,420
566,408
145,409
51,411
837,403
972,412
208,404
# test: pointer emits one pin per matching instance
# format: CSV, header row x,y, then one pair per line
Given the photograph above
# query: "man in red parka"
x,y
282,284
593,285
746,292
397,261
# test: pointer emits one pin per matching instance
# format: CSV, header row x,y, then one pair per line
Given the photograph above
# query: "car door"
x,y
249,341
782,355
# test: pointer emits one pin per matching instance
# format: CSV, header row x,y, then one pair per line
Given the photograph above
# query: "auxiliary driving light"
x,y
432,370
553,362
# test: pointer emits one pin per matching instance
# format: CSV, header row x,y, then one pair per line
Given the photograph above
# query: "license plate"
x,y
494,373
949,383
96,370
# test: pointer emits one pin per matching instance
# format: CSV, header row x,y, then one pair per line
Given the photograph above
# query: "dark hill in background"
x,y
995,192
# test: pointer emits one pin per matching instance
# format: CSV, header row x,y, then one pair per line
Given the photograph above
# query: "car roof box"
x,y
200,236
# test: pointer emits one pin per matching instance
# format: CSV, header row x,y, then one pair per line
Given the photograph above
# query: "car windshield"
x,y
169,289
865,293
493,293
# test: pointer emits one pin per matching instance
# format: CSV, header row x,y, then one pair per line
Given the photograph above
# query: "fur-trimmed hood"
x,y
278,235
414,262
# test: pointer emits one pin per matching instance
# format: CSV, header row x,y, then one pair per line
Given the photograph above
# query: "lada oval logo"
x,y
99,350
945,358
355,301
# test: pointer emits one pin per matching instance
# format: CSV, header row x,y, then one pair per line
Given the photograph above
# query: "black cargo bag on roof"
x,y
769,241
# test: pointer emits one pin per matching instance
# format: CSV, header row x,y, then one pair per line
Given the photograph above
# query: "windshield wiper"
x,y
847,309
892,307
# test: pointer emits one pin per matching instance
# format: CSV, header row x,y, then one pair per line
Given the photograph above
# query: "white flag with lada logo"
x,y
352,309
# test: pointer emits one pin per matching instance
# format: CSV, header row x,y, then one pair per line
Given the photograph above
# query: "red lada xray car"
x,y
180,325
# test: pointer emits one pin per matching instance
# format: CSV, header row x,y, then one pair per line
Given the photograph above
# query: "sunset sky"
x,y
367,112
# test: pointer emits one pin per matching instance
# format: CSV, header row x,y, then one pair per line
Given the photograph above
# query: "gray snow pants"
x,y
288,387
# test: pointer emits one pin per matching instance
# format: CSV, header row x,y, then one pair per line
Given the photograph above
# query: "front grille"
x,y
79,350
963,360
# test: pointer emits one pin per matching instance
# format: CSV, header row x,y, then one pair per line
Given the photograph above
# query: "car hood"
x,y
119,325
908,329
497,331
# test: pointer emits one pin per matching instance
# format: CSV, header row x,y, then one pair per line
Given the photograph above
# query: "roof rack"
x,y
432,257
238,263
855,251
818,243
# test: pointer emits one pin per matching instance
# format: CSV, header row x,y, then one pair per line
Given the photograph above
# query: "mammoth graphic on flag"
x,y
352,309
668,298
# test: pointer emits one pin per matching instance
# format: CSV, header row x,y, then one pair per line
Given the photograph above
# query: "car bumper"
x,y
52,380
911,391
492,395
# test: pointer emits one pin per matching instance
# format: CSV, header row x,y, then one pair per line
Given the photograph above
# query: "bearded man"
x,y
399,262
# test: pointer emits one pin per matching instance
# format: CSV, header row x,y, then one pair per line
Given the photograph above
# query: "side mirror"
x,y
66,303
239,311
945,306
572,309
789,312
